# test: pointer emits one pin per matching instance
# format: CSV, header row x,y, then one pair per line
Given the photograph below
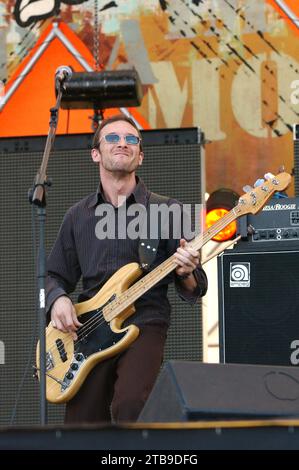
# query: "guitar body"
x,y
68,362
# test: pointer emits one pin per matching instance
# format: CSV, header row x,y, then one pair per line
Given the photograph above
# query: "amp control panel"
x,y
277,221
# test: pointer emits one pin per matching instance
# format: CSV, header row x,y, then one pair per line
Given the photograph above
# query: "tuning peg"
x,y
247,188
250,229
268,176
259,182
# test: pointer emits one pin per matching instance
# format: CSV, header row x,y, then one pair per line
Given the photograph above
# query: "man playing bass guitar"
x,y
117,387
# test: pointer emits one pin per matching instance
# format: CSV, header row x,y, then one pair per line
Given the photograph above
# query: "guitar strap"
x,y
148,246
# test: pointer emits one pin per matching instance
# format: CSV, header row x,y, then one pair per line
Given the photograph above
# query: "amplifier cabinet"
x,y
259,304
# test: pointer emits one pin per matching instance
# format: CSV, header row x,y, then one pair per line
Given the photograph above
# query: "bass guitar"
x,y
101,336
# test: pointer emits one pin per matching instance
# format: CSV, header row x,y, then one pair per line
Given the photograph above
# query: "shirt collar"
x,y
140,194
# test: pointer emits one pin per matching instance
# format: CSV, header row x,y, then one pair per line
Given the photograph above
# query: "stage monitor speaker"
x,y
173,166
191,391
259,304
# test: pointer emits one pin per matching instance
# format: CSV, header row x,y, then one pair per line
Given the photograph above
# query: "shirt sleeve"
x,y
63,269
199,291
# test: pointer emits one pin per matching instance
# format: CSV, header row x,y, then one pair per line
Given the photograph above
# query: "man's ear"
x,y
141,157
96,155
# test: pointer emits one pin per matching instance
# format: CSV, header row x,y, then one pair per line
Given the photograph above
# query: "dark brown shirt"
x,y
79,252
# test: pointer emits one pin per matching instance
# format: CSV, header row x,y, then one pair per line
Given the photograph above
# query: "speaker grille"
x,y
259,322
172,169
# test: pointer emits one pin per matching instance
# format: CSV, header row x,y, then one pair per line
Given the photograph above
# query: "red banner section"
x,y
288,10
30,93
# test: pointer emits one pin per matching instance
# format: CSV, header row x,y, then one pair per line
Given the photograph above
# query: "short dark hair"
x,y
115,118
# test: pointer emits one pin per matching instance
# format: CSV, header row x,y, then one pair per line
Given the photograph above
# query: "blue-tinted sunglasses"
x,y
115,138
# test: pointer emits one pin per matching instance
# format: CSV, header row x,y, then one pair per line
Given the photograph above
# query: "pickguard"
x,y
95,335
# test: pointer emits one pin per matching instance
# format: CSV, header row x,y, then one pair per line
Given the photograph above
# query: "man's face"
x,y
120,157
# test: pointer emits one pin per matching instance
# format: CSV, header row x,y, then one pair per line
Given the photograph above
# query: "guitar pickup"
x,y
49,361
61,350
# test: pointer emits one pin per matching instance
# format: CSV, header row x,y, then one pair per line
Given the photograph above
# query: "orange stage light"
x,y
228,232
220,202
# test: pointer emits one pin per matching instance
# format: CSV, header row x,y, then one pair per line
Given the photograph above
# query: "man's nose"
x,y
122,140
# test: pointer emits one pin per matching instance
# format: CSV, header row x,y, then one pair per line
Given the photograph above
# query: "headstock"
x,y
253,201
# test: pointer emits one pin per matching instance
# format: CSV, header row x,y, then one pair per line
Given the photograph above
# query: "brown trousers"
x,y
118,388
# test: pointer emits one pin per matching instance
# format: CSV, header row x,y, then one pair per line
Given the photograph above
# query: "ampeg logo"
x,y
239,275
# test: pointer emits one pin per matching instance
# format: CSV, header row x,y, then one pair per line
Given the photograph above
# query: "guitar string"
x,y
206,236
135,290
152,278
97,320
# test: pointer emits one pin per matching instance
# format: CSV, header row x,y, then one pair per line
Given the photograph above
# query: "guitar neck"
x,y
151,279
202,239
251,202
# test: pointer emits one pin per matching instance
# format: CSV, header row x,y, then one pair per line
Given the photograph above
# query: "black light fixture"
x,y
102,90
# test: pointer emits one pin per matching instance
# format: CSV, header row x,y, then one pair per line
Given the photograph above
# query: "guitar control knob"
x,y
69,376
79,357
74,366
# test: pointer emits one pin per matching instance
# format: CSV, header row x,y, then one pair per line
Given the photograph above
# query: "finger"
x,y
186,268
74,335
183,242
70,325
193,252
188,255
186,259
188,250
65,321
60,326
75,319
181,253
193,260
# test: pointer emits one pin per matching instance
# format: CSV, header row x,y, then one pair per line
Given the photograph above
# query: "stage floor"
x,y
185,436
